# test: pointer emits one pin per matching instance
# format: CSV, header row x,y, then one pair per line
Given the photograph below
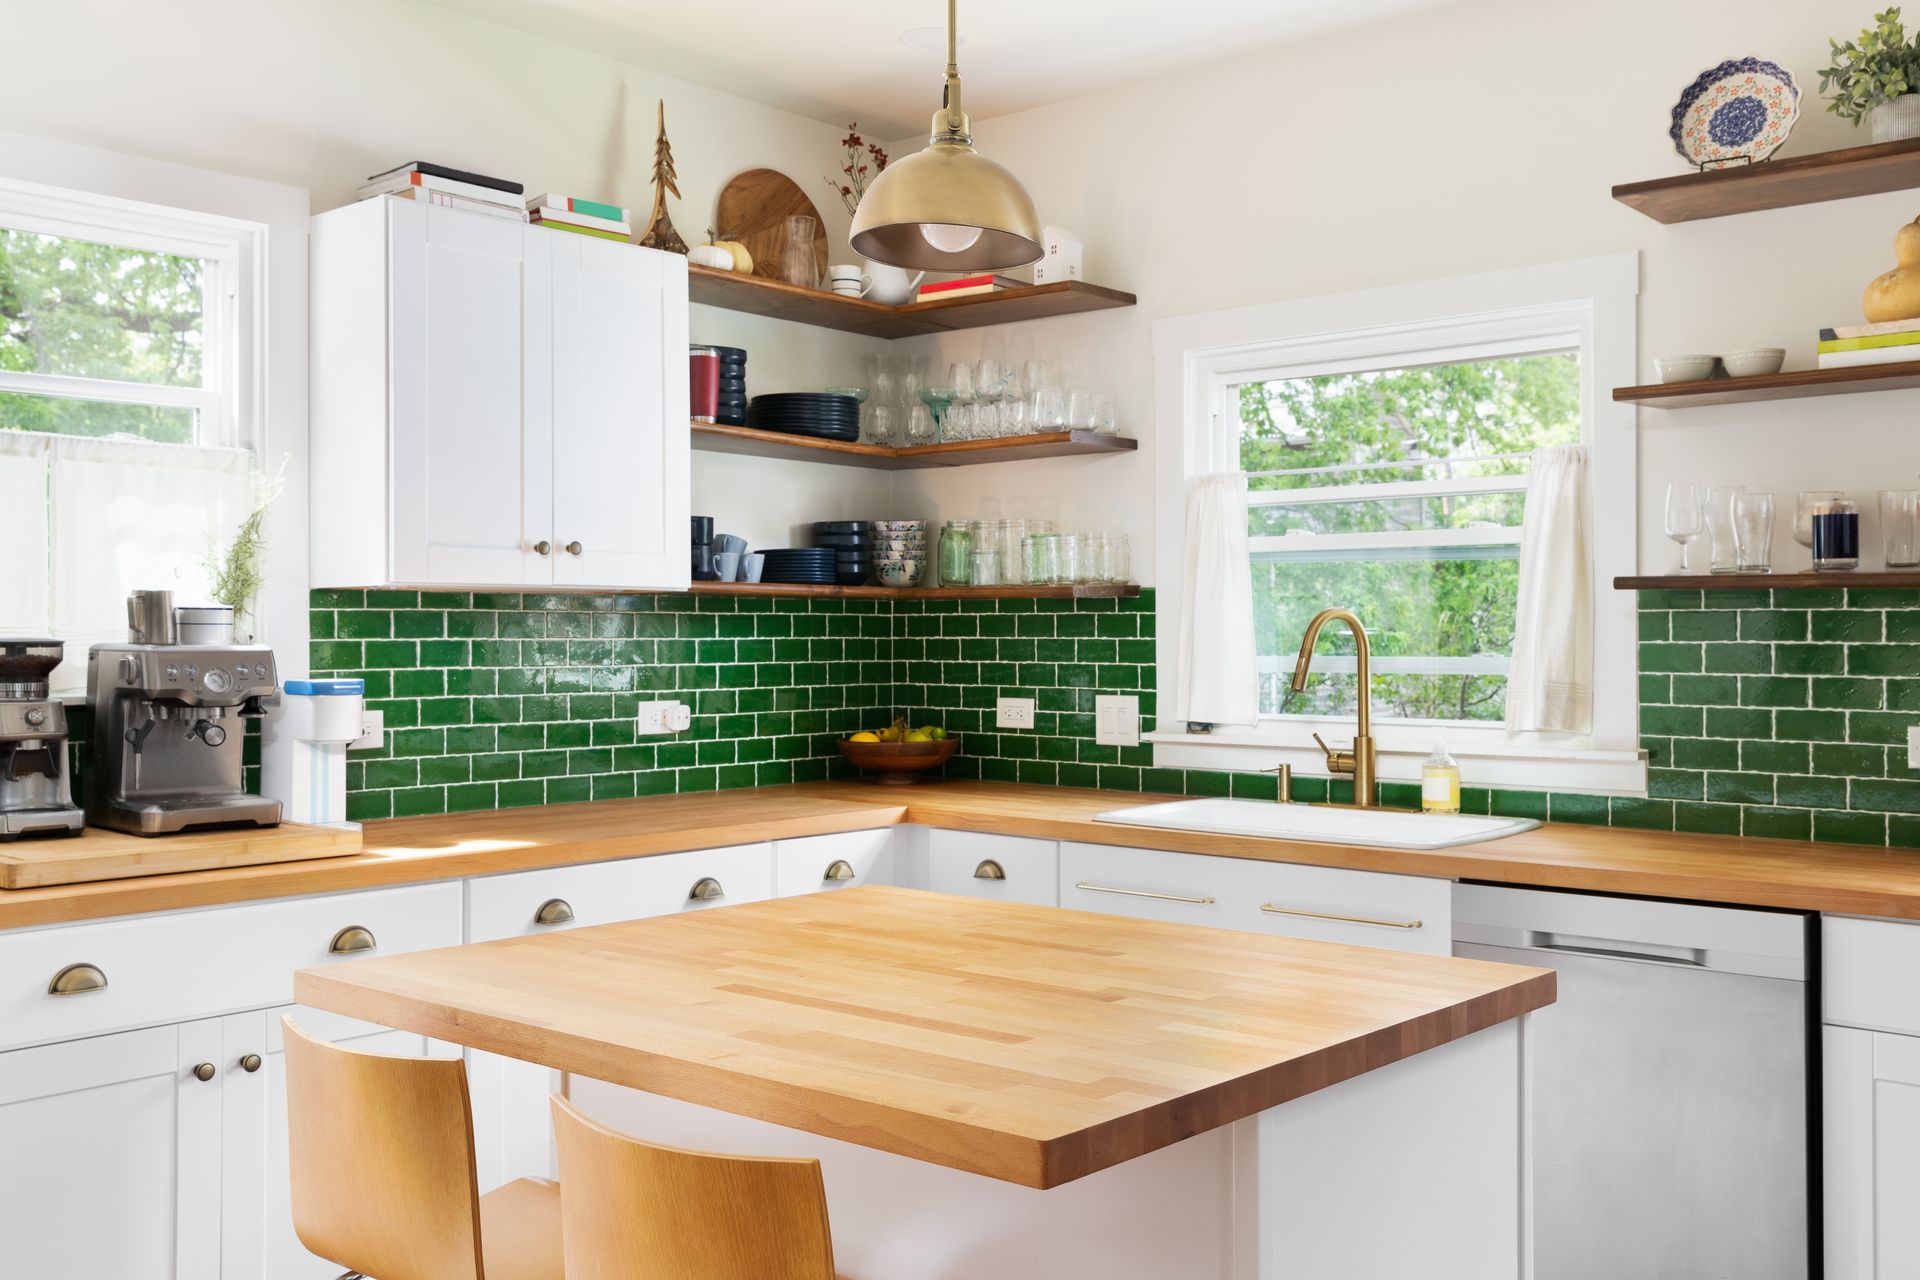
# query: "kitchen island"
x,y
1025,1091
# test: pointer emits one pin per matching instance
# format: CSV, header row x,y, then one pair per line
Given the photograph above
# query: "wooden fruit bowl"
x,y
898,762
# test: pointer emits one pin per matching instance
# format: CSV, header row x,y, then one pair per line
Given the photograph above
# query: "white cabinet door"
x,y
813,864
620,433
110,1156
1872,1134
471,445
257,1241
1005,868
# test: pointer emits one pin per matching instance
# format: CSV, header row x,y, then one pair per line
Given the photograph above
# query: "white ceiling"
x,y
844,61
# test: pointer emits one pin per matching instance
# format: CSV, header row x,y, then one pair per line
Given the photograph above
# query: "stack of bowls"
x,y
852,549
733,386
900,551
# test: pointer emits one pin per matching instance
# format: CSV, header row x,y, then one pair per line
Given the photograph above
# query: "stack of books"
x,y
1889,342
453,188
582,217
967,286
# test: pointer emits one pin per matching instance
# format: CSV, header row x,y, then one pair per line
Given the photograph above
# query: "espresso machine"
x,y
169,726
36,794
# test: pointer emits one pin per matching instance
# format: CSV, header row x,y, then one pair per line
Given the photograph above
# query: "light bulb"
x,y
950,237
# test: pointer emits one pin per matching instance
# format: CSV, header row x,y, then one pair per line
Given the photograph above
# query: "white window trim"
x,y
1593,299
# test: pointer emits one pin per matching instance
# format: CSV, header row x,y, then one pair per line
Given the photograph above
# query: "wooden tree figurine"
x,y
660,233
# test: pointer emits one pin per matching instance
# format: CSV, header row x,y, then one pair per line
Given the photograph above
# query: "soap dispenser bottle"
x,y
1440,782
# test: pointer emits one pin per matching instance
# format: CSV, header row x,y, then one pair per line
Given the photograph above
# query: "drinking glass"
x,y
885,423
1040,558
986,566
1900,526
1753,532
1685,518
1066,564
798,263
1049,409
1014,420
1803,508
1101,419
960,378
955,554
1836,535
883,378
958,424
1720,526
1121,550
920,428
1080,407
913,377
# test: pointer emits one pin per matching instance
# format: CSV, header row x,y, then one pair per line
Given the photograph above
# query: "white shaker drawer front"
x,y
1148,883
1870,969
524,902
84,979
812,864
1004,868
705,878
1330,904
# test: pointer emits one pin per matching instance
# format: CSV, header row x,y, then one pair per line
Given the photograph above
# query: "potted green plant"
x,y
1874,79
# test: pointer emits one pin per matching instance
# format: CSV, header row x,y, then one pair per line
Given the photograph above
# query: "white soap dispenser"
x,y
1440,782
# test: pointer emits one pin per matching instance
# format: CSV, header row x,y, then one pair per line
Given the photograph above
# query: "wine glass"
x,y
960,378
1686,517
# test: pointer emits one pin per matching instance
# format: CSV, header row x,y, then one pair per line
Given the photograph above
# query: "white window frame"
x,y
1588,305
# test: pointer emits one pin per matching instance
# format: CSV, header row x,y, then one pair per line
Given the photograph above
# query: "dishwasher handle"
x,y
1615,949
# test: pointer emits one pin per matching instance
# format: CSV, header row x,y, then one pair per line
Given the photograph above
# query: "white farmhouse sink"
x,y
1320,824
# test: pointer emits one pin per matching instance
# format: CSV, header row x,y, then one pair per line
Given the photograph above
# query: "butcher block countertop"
x,y
1024,1043
1848,879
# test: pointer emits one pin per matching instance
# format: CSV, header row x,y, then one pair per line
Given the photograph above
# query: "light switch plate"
x,y
1116,720
1014,713
373,731
1913,746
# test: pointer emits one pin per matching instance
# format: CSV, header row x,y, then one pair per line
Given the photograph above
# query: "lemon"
x,y
936,734
864,736
920,735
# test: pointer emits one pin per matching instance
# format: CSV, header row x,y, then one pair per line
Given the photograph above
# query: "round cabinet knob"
x,y
352,940
250,1063
705,889
554,911
543,548
989,870
840,870
36,716
77,979
204,1072
574,548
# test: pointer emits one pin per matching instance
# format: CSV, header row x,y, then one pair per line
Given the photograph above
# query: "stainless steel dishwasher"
x,y
1673,1083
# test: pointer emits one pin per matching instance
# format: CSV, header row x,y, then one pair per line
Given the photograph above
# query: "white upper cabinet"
x,y
495,404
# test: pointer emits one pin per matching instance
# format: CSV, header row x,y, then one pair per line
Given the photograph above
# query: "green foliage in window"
x,y
1882,66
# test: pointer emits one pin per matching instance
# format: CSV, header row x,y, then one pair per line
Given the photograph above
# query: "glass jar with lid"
x,y
954,555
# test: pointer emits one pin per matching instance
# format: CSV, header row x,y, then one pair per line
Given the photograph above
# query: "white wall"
x,y
1478,136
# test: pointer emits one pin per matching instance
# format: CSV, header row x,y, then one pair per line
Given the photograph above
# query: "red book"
x,y
943,287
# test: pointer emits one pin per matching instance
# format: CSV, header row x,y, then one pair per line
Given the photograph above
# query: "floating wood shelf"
x,y
716,438
1777,184
1793,385
1765,581
1078,591
760,296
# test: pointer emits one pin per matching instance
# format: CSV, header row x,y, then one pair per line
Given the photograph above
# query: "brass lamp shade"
x,y
948,184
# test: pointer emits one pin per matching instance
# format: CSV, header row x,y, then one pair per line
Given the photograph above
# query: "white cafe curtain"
x,y
1550,680
1218,676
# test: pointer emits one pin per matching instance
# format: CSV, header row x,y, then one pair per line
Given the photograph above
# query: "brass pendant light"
x,y
948,208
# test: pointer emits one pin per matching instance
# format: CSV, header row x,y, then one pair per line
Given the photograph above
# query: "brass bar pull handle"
x,y
204,1072
840,870
352,940
705,889
553,911
1143,893
1272,910
77,980
989,870
250,1063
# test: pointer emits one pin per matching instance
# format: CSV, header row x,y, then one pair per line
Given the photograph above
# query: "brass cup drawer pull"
x,y
989,870
706,889
574,548
553,911
250,1063
543,548
204,1072
1272,910
1144,893
840,870
352,940
77,980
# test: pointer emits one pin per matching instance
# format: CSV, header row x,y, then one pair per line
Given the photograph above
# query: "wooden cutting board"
x,y
754,209
95,854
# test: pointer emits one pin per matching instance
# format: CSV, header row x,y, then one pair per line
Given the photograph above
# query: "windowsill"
x,y
1488,758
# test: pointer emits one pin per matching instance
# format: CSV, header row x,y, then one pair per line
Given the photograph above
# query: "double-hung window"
x,y
128,406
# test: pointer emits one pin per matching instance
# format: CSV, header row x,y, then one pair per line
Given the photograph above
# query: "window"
x,y
127,419
1386,436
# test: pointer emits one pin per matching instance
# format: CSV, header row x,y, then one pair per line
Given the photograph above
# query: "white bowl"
x,y
898,573
1686,368
1756,363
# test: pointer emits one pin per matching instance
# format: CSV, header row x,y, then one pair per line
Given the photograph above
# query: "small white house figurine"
x,y
1062,260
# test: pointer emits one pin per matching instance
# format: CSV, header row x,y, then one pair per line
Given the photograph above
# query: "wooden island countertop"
x,y
1848,879
1029,1044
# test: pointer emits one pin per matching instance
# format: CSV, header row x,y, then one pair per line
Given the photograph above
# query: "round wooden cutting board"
x,y
753,209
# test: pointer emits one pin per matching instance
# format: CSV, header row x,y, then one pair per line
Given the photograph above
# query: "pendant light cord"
x,y
955,118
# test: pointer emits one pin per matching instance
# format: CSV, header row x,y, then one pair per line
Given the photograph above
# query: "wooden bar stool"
x,y
383,1172
635,1211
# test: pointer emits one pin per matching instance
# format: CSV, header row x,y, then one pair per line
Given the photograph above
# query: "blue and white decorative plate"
x,y
1742,109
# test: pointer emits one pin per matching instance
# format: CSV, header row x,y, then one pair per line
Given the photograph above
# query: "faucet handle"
x,y
1337,761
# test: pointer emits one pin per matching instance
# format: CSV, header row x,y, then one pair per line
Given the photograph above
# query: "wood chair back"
x,y
631,1210
382,1161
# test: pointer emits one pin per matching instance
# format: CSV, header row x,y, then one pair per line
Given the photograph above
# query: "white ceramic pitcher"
x,y
892,285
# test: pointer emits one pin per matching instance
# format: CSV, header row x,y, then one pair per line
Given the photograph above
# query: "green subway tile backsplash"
x,y
1779,713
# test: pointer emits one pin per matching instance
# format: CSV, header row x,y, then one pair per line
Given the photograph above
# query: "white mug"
x,y
849,281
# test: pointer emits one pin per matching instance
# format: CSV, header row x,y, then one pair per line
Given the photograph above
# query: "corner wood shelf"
x,y
1765,581
779,300
1777,184
1774,386
717,438
1078,591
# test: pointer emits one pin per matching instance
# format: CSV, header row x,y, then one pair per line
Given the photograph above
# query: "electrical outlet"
x,y
1116,720
373,731
1014,713
1913,746
662,717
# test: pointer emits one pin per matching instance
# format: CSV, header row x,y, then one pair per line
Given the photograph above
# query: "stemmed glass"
x,y
1686,517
